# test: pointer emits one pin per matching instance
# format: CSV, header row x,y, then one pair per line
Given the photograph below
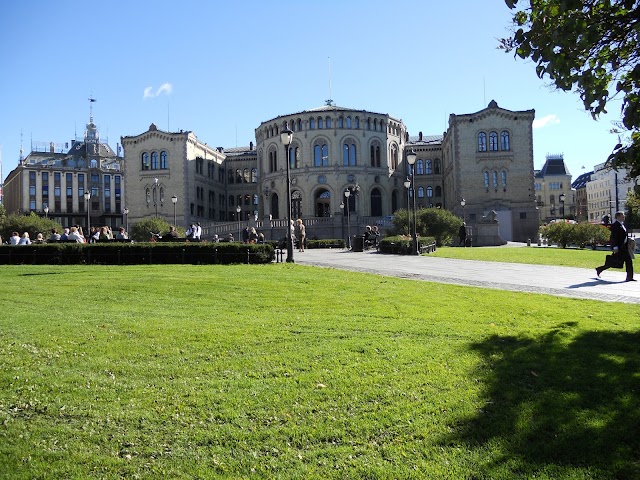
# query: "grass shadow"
x,y
561,405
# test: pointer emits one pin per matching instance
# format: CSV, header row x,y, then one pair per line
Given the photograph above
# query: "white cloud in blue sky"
x,y
165,88
545,121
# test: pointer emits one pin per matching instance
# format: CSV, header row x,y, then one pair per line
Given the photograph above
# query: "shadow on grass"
x,y
558,404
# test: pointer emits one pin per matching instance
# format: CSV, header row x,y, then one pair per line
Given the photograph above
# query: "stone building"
x,y
485,157
554,196
52,181
607,192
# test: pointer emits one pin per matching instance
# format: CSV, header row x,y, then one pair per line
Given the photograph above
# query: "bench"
x,y
428,248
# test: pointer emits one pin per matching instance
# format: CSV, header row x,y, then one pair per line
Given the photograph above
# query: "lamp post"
x,y
46,212
155,197
126,219
286,136
238,210
561,198
87,199
463,202
407,185
174,200
411,159
347,194
342,211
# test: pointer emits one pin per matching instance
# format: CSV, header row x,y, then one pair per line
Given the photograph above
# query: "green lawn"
x,y
562,257
286,371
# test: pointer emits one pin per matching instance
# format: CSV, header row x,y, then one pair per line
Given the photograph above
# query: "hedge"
x,y
136,253
403,245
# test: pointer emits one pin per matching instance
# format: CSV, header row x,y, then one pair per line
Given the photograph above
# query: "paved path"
x,y
559,281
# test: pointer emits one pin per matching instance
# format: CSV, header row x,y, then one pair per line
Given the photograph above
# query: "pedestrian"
x,y
462,233
25,240
301,234
622,248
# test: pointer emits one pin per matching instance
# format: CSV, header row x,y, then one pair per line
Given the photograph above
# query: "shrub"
x,y
438,223
32,224
590,234
141,231
561,233
402,244
326,243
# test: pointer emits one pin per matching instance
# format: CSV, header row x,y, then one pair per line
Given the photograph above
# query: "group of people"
x,y
371,236
70,234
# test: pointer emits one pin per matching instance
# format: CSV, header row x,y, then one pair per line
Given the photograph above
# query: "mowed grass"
x,y
286,371
562,257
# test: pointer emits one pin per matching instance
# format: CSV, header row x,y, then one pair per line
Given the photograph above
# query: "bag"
x,y
614,261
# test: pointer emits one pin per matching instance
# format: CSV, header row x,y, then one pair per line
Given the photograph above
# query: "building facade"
x,y
607,192
555,198
485,157
54,182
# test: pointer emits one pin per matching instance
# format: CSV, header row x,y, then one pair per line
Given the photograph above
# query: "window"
x,y
230,176
349,154
420,192
495,179
430,193
436,166
349,122
294,157
254,175
319,123
340,122
145,161
375,154
299,125
482,142
163,161
493,141
312,124
504,140
357,122
523,215
394,156
320,154
376,203
438,191
503,176
238,175
420,167
93,163
428,169
273,161
328,122
486,181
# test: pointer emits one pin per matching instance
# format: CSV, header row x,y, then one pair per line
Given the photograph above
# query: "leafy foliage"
x,y
32,224
432,222
581,234
632,214
141,231
592,46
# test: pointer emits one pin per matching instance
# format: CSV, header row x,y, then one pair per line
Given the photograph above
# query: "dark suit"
x,y
620,247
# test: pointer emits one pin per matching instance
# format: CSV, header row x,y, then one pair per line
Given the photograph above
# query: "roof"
x,y
426,139
581,181
554,166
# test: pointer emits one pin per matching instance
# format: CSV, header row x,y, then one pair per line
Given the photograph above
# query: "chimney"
x,y
419,136
250,145
52,147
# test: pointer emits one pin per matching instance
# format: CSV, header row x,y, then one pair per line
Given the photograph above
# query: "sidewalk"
x,y
559,281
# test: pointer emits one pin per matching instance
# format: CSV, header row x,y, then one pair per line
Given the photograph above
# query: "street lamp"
x,y
87,198
286,137
561,198
238,210
46,212
463,202
155,197
407,185
342,211
126,219
174,200
411,159
347,194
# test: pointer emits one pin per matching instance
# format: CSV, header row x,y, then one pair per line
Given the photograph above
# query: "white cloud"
x,y
165,88
546,121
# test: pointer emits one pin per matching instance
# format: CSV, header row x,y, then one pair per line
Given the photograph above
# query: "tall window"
x,y
394,156
163,161
294,157
376,154
495,179
493,141
436,166
357,122
482,142
296,204
504,140
420,192
254,175
349,122
320,154
154,160
349,154
376,203
486,181
428,169
319,123
420,167
328,122
429,193
503,176
340,122
107,193
312,123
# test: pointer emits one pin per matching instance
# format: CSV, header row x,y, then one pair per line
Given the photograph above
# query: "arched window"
x,y
394,156
429,193
495,179
503,176
145,161
238,175
376,203
296,204
427,168
420,192
486,180
320,154
320,124
375,154
357,122
246,178
493,141
294,157
163,161
419,167
349,154
436,166
273,161
230,176
482,142
154,160
299,125
312,123
438,191
340,122
504,140
255,199
349,122
254,175
148,194
328,122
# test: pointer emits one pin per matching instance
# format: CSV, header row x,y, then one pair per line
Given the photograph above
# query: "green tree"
x,y
438,223
32,224
141,231
592,46
632,215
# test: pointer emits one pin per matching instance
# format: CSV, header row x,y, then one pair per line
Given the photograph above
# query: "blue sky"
x,y
219,69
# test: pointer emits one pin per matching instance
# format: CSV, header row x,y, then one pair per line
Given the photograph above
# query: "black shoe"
x,y
598,272
630,280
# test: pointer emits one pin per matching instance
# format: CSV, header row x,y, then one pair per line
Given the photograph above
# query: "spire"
x,y
21,149
91,134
